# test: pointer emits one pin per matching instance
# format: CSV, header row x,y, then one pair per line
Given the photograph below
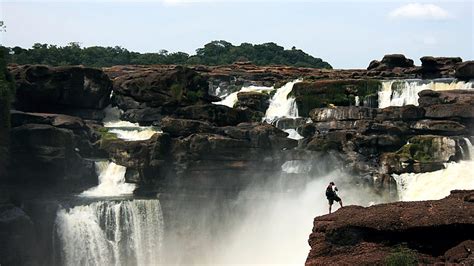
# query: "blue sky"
x,y
346,34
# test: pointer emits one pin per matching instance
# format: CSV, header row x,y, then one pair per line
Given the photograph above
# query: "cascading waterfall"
x,y
124,129
281,105
438,184
111,233
404,92
231,99
111,181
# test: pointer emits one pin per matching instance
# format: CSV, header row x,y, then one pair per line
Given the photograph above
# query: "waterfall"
x,y
125,129
293,134
438,184
404,92
111,181
281,105
110,233
231,99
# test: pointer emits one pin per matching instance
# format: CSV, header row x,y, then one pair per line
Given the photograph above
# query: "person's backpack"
x,y
329,192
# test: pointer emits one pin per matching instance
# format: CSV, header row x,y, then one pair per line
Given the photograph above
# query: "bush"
x,y
401,256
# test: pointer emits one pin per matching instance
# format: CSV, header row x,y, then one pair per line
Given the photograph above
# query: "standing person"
x,y
332,196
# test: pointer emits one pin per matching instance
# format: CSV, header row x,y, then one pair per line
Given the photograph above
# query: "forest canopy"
x,y
213,53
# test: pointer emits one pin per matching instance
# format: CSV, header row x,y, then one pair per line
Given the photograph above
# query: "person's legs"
x,y
331,201
340,202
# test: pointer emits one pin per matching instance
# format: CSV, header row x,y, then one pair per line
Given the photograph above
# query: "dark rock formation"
x,y
430,231
391,61
52,147
60,89
465,71
146,96
255,103
437,67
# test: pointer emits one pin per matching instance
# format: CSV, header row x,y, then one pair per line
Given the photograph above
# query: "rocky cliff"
x,y
407,233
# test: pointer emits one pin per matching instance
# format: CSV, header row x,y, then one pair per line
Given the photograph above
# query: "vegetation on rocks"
x,y
401,256
214,53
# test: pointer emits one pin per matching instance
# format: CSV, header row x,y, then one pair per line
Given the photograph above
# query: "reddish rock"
x,y
432,232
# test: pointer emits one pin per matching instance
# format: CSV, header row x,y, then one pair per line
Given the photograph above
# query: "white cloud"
x,y
420,11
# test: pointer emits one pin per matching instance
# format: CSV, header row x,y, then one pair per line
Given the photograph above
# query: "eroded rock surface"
x,y
432,231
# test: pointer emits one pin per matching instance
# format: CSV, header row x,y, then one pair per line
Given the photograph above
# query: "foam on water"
x,y
111,181
231,99
281,105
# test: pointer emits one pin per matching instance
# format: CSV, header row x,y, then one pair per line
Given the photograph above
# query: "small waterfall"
x,y
110,233
111,181
124,129
231,99
293,134
404,92
438,184
281,105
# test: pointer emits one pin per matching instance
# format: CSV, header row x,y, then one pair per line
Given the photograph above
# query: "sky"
x,y
347,34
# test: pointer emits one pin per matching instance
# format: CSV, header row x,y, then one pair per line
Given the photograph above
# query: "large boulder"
x,y
256,101
437,67
148,94
53,146
376,235
60,89
391,61
465,71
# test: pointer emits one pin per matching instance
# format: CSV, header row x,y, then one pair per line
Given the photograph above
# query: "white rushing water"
x,y
110,233
125,129
404,92
231,99
293,134
437,184
111,181
281,105
275,231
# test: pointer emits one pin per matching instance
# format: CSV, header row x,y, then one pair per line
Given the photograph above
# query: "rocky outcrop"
x,y
430,97
437,67
426,232
254,103
52,146
391,61
66,90
465,71
146,96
